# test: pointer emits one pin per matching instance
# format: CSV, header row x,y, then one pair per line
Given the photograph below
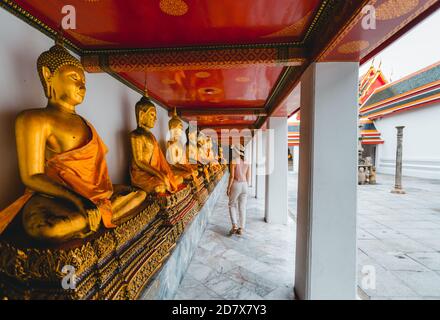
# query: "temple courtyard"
x,y
398,238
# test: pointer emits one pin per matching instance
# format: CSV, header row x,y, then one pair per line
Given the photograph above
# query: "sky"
x,y
415,50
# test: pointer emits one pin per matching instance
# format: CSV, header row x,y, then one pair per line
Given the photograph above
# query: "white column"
x,y
295,159
260,164
326,221
254,167
277,166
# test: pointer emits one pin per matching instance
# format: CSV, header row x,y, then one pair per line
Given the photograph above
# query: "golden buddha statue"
x,y
192,154
62,163
150,170
220,156
175,150
211,156
203,155
191,147
221,159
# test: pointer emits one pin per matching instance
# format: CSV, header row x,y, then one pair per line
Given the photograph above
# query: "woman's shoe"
x,y
240,231
234,230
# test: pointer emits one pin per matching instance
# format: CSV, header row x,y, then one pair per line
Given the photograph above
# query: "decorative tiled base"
x,y
36,273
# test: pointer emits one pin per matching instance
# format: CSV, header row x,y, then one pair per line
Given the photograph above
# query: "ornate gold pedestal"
x,y
111,264
179,207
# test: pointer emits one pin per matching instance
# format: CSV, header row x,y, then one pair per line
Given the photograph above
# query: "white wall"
x,y
421,150
109,105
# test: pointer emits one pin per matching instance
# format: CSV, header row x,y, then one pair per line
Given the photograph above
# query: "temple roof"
x,y
369,133
293,129
419,89
370,81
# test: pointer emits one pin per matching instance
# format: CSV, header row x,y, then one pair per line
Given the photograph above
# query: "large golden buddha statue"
x,y
176,150
150,170
62,163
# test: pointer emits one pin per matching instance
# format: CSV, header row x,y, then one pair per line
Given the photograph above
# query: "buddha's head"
x,y
175,126
145,113
62,76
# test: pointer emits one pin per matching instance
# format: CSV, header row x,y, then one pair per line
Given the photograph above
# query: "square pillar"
x,y
254,167
327,183
295,159
260,164
277,171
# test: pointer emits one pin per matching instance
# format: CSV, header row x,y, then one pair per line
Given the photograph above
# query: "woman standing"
x,y
237,190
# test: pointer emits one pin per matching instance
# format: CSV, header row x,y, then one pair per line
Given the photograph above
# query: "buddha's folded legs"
x,y
56,220
183,173
125,201
149,184
53,219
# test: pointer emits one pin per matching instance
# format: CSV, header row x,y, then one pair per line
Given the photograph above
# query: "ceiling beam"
x,y
190,112
192,59
218,127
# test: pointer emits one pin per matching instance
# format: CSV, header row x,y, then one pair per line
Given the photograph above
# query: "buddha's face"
x,y
147,118
67,84
176,132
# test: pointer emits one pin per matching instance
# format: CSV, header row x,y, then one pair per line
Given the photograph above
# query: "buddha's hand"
x,y
94,216
91,212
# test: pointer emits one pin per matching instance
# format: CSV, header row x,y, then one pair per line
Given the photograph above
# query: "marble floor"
x,y
398,238
257,265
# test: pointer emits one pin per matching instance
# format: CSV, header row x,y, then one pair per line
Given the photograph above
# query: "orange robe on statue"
x,y
148,182
83,170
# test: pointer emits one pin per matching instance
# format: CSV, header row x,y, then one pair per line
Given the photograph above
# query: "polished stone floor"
x,y
398,238
258,265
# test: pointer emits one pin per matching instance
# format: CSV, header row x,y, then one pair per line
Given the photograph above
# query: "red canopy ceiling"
x,y
170,23
238,87
204,56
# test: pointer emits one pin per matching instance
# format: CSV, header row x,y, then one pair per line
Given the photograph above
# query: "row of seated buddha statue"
x,y
62,164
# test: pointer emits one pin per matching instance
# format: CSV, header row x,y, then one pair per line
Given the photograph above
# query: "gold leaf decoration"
x,y
90,41
173,7
353,46
294,30
392,9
